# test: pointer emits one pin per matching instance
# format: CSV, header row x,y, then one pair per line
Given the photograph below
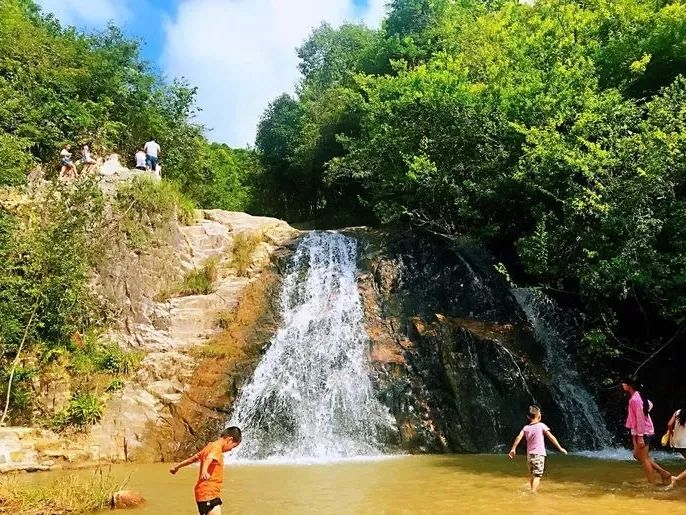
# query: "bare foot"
x,y
667,479
671,484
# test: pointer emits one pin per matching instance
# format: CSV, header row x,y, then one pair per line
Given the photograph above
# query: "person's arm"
x,y
671,423
554,441
184,463
513,451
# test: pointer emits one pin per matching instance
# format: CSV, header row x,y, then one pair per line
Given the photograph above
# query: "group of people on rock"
x,y
639,425
146,158
68,167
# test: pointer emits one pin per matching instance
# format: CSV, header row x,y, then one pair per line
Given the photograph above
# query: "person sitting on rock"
x,y
87,159
141,160
68,167
211,475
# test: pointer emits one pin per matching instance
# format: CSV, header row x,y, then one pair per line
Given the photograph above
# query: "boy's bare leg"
x,y
217,510
535,483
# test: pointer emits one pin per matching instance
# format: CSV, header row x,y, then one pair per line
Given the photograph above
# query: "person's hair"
x,y
534,412
232,432
636,385
682,417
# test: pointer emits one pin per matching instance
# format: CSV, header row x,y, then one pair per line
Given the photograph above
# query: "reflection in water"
x,y
473,484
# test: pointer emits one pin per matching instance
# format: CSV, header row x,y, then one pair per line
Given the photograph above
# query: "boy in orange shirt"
x,y
211,475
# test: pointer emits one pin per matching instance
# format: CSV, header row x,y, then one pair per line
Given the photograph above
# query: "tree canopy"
x,y
551,131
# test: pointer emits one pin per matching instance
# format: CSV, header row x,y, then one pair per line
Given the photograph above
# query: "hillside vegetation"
x,y
554,133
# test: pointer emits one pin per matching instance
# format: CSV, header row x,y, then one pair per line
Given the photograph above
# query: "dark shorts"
x,y
152,161
648,439
141,168
204,507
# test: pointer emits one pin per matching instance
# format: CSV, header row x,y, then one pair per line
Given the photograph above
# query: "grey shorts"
x,y
536,463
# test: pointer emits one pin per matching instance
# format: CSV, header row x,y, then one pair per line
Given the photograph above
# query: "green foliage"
x,y
82,411
553,132
46,251
146,207
201,281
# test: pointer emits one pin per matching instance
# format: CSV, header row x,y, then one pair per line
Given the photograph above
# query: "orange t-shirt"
x,y
206,490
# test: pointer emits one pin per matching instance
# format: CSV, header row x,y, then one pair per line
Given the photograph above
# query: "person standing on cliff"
x,y
152,153
534,432
211,474
641,429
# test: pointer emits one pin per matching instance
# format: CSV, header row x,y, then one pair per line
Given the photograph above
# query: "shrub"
x,y
244,245
197,282
146,205
83,410
115,385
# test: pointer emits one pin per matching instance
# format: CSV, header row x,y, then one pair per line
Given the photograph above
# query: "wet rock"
x,y
454,357
126,499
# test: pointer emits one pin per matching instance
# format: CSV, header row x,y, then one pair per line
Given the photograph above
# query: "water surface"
x,y
474,484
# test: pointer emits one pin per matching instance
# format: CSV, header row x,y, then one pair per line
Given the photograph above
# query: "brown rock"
x,y
126,499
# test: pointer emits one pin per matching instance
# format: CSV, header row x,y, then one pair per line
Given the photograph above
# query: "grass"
x,y
197,282
75,493
146,206
244,246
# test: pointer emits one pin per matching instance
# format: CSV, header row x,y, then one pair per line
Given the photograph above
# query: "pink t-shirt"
x,y
535,441
636,420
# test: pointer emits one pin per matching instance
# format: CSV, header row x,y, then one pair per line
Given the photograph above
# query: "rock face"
x,y
455,358
196,350
181,390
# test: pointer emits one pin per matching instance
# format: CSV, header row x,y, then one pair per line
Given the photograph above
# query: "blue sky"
x,y
240,53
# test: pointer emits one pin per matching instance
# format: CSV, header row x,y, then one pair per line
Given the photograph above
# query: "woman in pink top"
x,y
640,425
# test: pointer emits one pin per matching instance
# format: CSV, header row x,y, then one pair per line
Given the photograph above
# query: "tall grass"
x,y
244,246
75,493
197,282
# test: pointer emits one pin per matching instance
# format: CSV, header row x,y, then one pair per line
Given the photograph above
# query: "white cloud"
x,y
88,13
241,53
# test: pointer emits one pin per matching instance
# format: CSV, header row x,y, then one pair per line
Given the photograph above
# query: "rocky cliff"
x,y
195,349
456,359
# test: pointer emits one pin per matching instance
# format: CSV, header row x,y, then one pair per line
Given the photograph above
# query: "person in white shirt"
x,y
87,159
677,431
141,160
152,152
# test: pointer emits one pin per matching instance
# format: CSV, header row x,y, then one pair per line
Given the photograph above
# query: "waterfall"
x,y
311,396
580,411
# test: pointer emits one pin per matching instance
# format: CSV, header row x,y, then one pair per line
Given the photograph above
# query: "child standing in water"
x,y
211,474
535,446
641,429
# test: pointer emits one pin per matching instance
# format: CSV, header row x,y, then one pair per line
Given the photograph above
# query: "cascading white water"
x,y
311,396
582,416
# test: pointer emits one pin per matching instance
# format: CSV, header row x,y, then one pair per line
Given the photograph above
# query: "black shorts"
x,y
204,507
647,439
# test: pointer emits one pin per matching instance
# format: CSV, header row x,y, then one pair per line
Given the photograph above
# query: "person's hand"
x,y
512,454
563,451
173,470
641,442
205,476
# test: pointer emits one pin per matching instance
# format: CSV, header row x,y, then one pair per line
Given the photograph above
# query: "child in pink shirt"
x,y
535,446
641,428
